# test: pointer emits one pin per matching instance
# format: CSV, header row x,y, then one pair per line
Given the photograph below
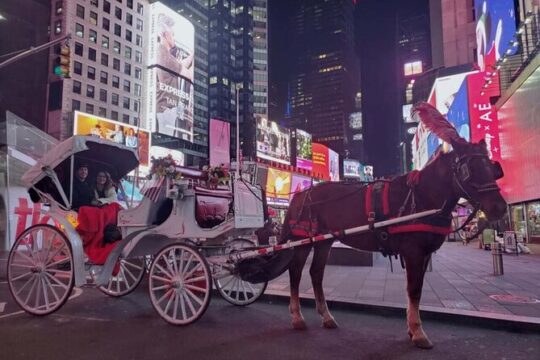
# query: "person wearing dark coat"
x,y
83,192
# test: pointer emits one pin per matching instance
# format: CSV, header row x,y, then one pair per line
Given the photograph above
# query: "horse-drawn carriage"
x,y
183,225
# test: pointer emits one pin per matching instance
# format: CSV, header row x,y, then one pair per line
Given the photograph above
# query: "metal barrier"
x,y
497,253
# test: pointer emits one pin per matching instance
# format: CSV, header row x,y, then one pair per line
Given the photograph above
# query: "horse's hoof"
x,y
409,333
330,324
423,343
299,325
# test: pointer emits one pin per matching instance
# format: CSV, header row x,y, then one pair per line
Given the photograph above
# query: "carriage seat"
x,y
212,206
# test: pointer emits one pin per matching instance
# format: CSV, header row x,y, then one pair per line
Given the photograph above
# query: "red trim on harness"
x,y
386,202
369,190
413,178
399,229
303,227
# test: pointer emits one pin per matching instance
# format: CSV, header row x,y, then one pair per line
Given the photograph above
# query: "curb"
x,y
512,323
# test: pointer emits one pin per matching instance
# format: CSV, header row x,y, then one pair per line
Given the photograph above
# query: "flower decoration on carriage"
x,y
217,175
164,167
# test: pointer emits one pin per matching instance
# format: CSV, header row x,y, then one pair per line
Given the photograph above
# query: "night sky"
x,y
376,32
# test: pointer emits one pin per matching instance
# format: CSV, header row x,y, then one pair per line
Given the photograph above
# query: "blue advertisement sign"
x,y
458,114
495,28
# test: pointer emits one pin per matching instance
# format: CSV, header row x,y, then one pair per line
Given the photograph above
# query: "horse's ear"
x,y
483,143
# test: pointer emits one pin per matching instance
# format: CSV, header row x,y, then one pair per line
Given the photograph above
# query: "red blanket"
x,y
92,222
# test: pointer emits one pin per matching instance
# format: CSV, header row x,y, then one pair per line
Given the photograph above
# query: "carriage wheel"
x,y
129,275
40,270
235,290
180,284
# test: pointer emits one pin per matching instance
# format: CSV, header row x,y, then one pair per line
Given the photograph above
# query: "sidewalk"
x,y
460,283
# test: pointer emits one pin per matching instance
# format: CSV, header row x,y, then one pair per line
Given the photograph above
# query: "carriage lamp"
x,y
72,219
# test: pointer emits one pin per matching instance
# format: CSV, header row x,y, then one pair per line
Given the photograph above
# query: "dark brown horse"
x,y
465,172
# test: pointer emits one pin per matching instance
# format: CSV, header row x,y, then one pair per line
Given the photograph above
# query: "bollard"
x,y
496,251
272,240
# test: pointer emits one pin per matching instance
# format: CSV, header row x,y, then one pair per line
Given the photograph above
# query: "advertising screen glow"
x,y
273,141
278,187
299,183
87,124
220,142
352,169
320,161
333,165
304,155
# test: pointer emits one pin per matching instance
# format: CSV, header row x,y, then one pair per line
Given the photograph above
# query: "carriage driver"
x,y
83,193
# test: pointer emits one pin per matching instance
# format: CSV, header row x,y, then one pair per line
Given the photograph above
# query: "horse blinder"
x,y
498,172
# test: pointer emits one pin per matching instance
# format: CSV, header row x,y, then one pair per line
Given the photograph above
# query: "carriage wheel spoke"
x,y
135,266
164,296
171,300
58,282
26,257
187,265
168,262
196,288
162,287
229,280
56,252
117,283
126,271
25,284
34,278
24,266
58,262
52,289
45,295
175,306
22,276
162,279
182,306
194,297
163,271
192,280
189,303
190,273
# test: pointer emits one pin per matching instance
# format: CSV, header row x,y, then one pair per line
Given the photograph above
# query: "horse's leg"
x,y
415,266
295,274
316,271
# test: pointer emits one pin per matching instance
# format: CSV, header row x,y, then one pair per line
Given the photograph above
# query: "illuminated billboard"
x,y
445,89
304,155
128,135
352,169
320,161
161,152
333,165
299,183
412,68
368,172
220,143
172,41
495,29
278,187
273,141
170,104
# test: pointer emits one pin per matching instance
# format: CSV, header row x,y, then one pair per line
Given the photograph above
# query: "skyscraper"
x,y
324,73
260,57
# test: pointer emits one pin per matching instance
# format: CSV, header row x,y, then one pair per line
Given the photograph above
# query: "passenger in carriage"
x,y
105,192
83,193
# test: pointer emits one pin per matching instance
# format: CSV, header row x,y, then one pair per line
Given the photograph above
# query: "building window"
x,y
139,8
125,102
93,18
77,68
105,41
79,30
127,85
213,80
129,4
117,30
136,105
116,47
138,90
75,105
90,108
129,18
138,56
127,69
94,3
128,35
59,7
107,7
104,59
92,36
118,13
102,112
103,95
139,24
125,118
58,27
106,24
114,115
90,91
77,87
116,64
103,77
127,52
114,99
91,73
92,54
116,81
78,49
80,11
138,40
138,73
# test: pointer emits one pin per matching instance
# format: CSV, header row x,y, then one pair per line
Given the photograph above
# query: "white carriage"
x,y
187,230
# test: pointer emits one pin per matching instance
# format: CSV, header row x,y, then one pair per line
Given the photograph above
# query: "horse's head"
x,y
475,178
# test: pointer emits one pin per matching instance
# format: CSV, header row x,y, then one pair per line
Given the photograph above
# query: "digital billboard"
x,y
220,143
495,29
170,104
458,114
333,165
128,135
161,152
368,172
273,141
320,161
278,187
299,183
172,41
352,169
304,155
445,89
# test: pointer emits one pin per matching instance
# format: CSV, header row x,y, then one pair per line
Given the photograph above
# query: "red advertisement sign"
x,y
320,161
220,143
483,116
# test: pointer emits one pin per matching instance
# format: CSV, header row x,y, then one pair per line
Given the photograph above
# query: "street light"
x,y
238,87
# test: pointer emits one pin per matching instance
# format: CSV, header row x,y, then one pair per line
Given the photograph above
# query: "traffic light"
x,y
62,61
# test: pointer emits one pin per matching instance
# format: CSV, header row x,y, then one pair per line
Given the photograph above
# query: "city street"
x,y
93,326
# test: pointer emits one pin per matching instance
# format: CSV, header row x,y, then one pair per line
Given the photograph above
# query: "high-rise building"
x,y
324,75
196,152
107,62
260,57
